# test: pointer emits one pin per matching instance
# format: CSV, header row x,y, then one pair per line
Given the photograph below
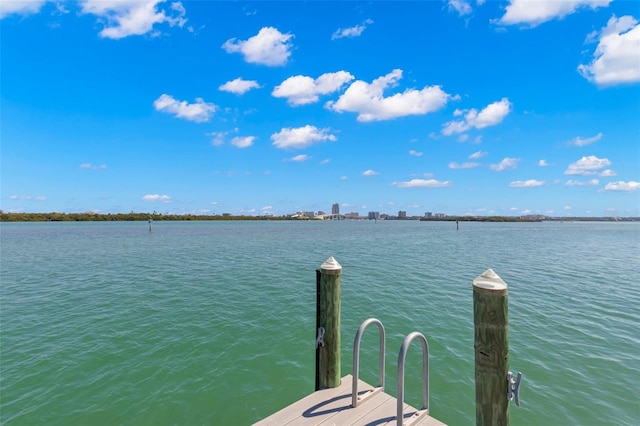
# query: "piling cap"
x,y
331,265
489,280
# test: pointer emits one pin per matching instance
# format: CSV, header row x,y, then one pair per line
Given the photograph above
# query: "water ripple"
x,y
213,323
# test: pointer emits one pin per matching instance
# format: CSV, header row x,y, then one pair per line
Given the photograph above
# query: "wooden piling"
x,y
491,344
328,318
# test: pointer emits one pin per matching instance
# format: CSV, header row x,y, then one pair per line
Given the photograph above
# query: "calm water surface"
x,y
212,323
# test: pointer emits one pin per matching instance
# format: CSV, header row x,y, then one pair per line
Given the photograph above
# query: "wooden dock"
x,y
338,402
333,407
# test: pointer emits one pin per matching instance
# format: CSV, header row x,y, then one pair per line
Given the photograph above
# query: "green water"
x,y
212,323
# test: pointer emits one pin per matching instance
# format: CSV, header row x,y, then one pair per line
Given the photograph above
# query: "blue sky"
x,y
460,107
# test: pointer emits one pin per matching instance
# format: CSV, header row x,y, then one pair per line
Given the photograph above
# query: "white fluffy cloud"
x,y
415,153
239,86
530,183
506,163
591,182
623,186
157,197
422,183
370,173
367,99
200,111
301,90
476,155
269,47
490,115
587,166
93,166
536,12
543,163
243,141
27,197
217,138
124,18
578,141
20,7
463,7
299,158
617,56
468,165
300,137
351,32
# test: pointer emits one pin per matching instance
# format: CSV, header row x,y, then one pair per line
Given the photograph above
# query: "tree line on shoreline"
x,y
118,217
133,216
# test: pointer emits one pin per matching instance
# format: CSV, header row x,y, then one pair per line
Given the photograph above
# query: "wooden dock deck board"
x,y
333,407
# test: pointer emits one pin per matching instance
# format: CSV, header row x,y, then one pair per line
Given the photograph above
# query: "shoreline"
x,y
145,217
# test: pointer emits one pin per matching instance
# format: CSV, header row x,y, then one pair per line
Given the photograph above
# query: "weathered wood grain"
x,y
491,344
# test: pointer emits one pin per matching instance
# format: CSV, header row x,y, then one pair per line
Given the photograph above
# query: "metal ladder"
x,y
424,411
355,399
356,362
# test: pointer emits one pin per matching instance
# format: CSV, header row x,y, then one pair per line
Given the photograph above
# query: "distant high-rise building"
x,y
335,209
402,214
374,215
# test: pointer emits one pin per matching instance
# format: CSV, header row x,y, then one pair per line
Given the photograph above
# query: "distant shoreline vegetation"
x,y
129,217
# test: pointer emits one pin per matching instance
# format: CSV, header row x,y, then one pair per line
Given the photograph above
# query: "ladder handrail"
x,y
425,373
356,357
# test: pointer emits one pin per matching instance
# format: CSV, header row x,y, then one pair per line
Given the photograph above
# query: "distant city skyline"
x,y
267,108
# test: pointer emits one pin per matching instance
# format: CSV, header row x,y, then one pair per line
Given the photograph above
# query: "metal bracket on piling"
x,y
320,339
514,387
